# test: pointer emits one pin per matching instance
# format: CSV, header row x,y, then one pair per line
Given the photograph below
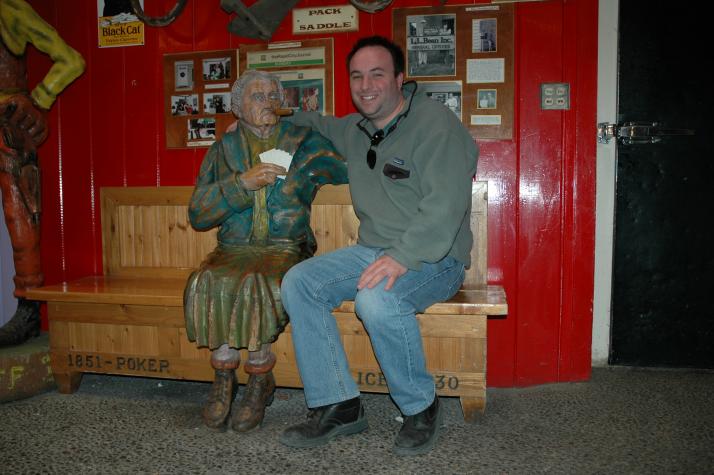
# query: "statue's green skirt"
x,y
234,297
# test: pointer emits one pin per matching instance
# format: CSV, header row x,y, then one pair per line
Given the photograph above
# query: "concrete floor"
x,y
622,421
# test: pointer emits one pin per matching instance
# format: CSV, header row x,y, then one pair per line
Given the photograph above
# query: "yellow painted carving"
x,y
46,361
19,25
15,374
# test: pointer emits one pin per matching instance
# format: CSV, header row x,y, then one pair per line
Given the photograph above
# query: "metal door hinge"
x,y
636,132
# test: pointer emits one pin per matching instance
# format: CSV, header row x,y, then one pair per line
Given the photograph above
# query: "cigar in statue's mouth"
x,y
282,112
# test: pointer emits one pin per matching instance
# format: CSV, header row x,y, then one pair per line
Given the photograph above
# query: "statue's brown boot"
x,y
218,405
259,392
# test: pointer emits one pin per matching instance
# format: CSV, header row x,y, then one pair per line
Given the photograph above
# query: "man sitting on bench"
x,y
263,210
411,163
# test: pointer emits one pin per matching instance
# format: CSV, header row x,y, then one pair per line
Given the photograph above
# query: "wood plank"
x,y
169,342
489,301
148,195
152,273
59,335
349,226
319,222
110,242
138,236
124,241
473,407
430,325
117,313
168,291
116,290
334,195
476,275
163,253
368,378
181,195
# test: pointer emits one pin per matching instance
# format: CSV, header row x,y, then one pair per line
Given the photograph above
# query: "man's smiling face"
x,y
376,91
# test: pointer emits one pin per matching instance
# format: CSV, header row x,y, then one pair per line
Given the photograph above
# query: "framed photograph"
x,y
483,35
304,89
217,102
204,96
201,129
305,69
183,75
486,98
446,92
216,69
431,45
463,55
184,105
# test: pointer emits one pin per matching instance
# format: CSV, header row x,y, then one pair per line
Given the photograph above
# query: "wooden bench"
x,y
130,320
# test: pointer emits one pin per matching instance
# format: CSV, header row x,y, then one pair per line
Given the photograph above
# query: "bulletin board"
x,y
462,56
305,69
197,96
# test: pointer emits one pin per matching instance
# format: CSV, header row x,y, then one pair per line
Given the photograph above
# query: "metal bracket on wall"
x,y
636,132
158,21
247,23
372,6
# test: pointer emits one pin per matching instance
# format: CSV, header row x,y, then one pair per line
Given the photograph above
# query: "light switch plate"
x,y
555,96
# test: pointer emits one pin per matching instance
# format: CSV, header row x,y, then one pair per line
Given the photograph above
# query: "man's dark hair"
x,y
393,48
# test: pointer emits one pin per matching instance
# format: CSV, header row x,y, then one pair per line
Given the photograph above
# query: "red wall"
x,y
107,130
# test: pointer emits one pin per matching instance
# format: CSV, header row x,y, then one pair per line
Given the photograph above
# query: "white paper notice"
x,y
485,120
485,70
277,157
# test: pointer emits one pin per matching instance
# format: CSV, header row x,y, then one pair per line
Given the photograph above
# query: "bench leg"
x,y
473,407
67,383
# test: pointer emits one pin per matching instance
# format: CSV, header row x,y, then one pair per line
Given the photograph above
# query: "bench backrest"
x,y
146,232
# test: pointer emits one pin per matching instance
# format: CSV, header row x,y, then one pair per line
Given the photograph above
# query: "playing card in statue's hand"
x,y
277,157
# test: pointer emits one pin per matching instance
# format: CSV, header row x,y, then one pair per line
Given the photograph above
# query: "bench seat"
x,y
169,292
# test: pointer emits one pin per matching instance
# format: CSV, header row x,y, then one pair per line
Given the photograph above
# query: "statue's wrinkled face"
x,y
260,99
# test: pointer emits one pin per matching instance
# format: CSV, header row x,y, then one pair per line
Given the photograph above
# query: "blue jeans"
x,y
313,288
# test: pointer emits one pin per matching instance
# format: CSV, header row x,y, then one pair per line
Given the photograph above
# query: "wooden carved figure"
x,y
23,128
262,210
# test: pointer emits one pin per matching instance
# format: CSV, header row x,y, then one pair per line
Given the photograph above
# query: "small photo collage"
x,y
202,89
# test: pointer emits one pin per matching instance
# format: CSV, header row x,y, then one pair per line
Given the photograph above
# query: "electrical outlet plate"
x,y
555,96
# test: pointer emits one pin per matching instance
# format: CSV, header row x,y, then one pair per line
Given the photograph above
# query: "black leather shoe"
x,y
324,423
25,324
420,431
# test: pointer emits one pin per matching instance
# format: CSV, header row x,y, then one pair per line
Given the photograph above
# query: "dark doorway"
x,y
663,288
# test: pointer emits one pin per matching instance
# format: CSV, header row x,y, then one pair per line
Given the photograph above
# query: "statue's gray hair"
x,y
245,79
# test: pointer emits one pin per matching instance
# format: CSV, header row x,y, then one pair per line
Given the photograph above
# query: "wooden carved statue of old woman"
x,y
263,213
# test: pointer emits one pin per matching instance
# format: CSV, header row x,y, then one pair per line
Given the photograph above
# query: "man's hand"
x,y
383,267
260,175
20,111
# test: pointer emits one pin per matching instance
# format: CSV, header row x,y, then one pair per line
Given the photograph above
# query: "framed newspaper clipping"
x,y
197,102
463,56
304,68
